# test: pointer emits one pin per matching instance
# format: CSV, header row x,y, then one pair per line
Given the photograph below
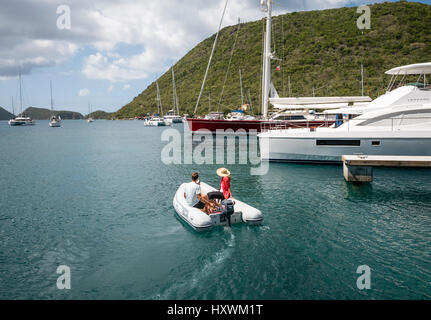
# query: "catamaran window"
x,y
290,118
375,143
399,118
349,143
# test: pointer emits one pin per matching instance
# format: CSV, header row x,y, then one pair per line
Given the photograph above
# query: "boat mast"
x,y
266,7
159,101
52,102
20,93
240,81
13,107
211,56
288,78
174,94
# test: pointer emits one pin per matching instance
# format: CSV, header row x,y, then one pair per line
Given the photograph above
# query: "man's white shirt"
x,y
192,190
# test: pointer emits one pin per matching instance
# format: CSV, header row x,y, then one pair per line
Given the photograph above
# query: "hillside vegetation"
x,y
99,114
5,115
320,49
45,114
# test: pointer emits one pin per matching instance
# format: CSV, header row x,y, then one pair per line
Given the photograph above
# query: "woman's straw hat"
x,y
223,172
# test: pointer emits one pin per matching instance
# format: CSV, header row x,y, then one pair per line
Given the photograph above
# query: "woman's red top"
x,y
225,187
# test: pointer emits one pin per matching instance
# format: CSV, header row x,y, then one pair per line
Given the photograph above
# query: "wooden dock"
x,y
359,168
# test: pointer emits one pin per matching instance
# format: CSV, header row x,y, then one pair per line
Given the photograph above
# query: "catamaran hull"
x,y
200,221
55,124
330,150
170,121
21,123
155,124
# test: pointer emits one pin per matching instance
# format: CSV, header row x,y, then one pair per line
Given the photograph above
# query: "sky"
x,y
109,51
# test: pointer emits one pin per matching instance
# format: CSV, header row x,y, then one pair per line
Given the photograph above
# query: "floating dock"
x,y
359,168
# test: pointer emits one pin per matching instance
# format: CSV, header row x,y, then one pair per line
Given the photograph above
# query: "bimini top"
x,y
417,68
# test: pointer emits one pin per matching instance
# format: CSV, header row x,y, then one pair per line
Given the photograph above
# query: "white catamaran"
x,y
21,119
396,123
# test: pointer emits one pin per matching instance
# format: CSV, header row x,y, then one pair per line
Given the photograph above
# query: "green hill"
x,y
45,114
99,114
5,115
321,49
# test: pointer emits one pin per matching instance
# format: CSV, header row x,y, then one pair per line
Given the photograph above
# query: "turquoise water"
x,y
97,198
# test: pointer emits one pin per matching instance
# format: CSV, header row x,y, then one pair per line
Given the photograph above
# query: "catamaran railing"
x,y
386,124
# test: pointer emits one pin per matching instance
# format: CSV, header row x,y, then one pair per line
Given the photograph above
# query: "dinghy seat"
x,y
215,195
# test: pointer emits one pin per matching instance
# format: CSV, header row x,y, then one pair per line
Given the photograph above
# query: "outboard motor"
x,y
228,209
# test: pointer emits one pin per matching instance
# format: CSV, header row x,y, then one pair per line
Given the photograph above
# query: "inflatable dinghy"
x,y
233,211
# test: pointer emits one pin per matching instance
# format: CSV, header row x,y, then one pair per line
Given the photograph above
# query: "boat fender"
x,y
228,209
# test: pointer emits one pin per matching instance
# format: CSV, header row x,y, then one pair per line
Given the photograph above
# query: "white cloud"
x,y
151,34
110,88
126,86
83,92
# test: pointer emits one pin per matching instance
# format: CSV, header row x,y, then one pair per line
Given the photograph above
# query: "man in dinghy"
x,y
195,198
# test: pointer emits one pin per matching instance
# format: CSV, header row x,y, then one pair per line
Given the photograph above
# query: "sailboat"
x,y
21,119
254,126
90,118
157,120
173,115
54,122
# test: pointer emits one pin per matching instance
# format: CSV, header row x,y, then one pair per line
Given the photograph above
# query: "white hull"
x,y
155,123
313,147
173,119
55,124
200,221
21,123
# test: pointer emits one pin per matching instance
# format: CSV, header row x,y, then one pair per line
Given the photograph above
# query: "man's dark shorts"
x,y
199,205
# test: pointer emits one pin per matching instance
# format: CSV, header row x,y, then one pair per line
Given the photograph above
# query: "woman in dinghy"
x,y
225,182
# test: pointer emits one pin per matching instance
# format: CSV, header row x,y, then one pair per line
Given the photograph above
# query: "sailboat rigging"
x,y
55,121
21,119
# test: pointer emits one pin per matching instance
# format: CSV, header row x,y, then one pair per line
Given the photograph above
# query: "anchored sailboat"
x,y
157,120
173,115
55,121
21,120
90,118
241,122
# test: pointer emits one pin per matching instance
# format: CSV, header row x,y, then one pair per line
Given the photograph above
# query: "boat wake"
x,y
211,265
